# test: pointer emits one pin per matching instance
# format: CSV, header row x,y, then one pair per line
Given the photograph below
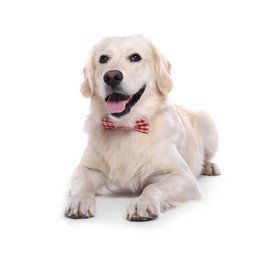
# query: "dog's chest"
x,y
128,158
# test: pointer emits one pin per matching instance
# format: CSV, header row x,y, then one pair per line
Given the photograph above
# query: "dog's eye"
x,y
135,57
103,59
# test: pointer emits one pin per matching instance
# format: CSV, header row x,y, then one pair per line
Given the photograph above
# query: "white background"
x,y
224,59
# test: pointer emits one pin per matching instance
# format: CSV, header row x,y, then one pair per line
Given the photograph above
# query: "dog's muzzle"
x,y
119,104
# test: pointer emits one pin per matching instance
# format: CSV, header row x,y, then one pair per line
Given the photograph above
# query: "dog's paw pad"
x,y
81,206
210,169
143,210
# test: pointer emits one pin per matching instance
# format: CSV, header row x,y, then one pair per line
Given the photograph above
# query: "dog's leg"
x,y
208,134
81,201
164,191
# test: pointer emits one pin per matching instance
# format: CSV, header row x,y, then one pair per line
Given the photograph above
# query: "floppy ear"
x,y
87,87
162,69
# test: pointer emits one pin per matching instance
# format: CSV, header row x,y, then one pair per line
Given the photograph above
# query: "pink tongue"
x,y
116,107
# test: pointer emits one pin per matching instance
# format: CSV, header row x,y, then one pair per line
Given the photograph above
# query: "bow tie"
x,y
140,125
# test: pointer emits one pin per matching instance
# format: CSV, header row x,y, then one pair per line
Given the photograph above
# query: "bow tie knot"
x,y
140,125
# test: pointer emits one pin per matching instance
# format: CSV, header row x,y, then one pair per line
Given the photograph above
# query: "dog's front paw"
x,y
143,210
81,206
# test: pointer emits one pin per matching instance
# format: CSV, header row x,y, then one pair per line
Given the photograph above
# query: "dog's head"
x,y
125,71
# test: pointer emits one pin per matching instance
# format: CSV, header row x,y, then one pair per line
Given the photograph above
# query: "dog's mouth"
x,y
119,105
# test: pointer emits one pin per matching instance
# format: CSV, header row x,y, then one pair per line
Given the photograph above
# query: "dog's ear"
x,y
162,68
86,89
87,86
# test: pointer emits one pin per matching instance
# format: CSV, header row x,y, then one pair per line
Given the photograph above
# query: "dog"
x,y
138,140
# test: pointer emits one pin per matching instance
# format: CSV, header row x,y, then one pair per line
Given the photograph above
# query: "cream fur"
x,y
162,166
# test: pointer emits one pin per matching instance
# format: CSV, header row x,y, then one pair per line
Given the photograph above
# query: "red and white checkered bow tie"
x,y
140,125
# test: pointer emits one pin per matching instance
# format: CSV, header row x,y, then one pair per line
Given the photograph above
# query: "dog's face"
x,y
125,71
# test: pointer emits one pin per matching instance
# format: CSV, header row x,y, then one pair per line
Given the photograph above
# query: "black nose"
x,y
113,78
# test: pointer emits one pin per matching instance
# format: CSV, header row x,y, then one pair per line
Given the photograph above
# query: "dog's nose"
x,y
113,78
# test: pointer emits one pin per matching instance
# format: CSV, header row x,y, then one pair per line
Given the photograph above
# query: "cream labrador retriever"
x,y
139,141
